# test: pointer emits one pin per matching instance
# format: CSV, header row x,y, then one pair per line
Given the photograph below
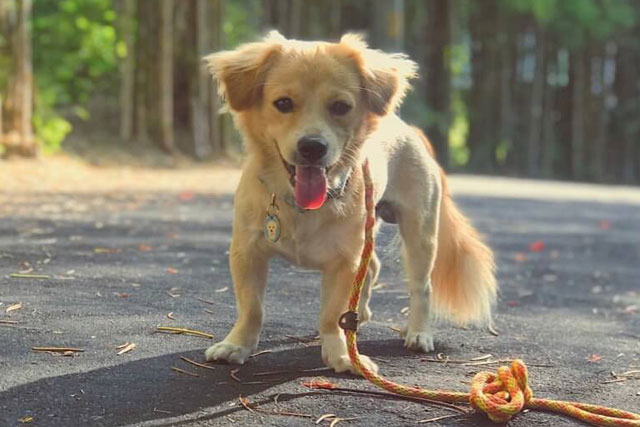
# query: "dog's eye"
x,y
339,108
284,105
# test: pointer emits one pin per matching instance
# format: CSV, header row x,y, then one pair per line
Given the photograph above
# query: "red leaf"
x,y
513,303
594,358
185,196
320,382
172,270
605,225
537,246
144,248
520,257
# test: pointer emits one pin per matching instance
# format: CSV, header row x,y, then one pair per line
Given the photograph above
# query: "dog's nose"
x,y
312,148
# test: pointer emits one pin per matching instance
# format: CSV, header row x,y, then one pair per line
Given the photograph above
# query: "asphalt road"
x,y
118,263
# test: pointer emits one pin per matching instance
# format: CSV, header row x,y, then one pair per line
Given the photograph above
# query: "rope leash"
x,y
501,395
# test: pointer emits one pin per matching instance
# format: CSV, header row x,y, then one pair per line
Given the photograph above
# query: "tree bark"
x,y
548,115
438,75
536,107
578,79
200,99
144,60
599,152
388,25
166,76
217,43
484,108
127,86
625,114
19,139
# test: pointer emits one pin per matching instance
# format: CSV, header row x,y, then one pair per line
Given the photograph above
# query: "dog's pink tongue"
x,y
311,187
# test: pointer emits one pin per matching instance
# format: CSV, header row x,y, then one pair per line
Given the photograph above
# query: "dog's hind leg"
x,y
418,219
364,311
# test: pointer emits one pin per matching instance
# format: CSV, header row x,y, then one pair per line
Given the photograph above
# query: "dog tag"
x,y
272,228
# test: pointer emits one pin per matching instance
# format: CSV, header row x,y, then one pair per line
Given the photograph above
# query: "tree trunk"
x,y
127,86
578,79
200,99
19,139
599,146
144,63
388,25
536,107
624,119
484,111
296,18
335,18
217,43
508,64
438,75
166,76
548,116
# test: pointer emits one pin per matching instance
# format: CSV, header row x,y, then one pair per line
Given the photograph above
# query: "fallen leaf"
x,y
604,224
171,270
122,294
319,383
106,250
520,257
186,196
26,419
513,303
127,348
594,358
170,316
537,246
226,288
14,307
144,248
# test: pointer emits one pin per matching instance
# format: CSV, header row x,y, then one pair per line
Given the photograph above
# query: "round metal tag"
x,y
272,228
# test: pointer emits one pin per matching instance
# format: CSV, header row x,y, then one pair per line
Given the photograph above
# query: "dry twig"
x,y
173,330
191,374
194,363
58,349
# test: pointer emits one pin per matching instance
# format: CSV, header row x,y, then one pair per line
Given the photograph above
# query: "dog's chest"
x,y
314,242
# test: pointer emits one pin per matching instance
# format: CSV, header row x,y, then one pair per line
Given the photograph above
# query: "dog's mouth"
x,y
309,183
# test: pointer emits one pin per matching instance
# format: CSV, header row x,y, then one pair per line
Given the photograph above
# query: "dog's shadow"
x,y
149,390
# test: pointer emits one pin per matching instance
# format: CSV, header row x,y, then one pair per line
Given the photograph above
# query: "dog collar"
x,y
334,193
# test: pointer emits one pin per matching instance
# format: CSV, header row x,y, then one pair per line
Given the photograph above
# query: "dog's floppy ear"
x,y
240,73
385,77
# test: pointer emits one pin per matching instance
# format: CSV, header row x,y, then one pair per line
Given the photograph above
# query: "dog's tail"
x,y
463,278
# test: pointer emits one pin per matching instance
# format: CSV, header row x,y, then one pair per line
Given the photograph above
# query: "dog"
x,y
310,114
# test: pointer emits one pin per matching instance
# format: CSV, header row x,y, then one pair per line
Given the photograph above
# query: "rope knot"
x,y
503,395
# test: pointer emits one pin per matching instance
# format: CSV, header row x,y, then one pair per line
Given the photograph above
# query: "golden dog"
x,y
311,113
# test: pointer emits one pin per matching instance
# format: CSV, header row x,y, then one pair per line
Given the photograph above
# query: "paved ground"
x,y
119,262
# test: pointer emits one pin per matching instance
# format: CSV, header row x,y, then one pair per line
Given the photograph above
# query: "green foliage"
x,y
74,48
238,25
576,22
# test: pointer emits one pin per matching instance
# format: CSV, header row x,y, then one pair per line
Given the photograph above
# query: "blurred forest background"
x,y
538,88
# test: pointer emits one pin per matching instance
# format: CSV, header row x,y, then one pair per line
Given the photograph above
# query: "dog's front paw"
x,y
343,364
418,340
335,356
227,351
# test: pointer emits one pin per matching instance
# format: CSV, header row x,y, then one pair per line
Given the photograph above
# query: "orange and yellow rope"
x,y
501,395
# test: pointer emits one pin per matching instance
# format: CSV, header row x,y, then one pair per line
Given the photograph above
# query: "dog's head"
x,y
310,103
